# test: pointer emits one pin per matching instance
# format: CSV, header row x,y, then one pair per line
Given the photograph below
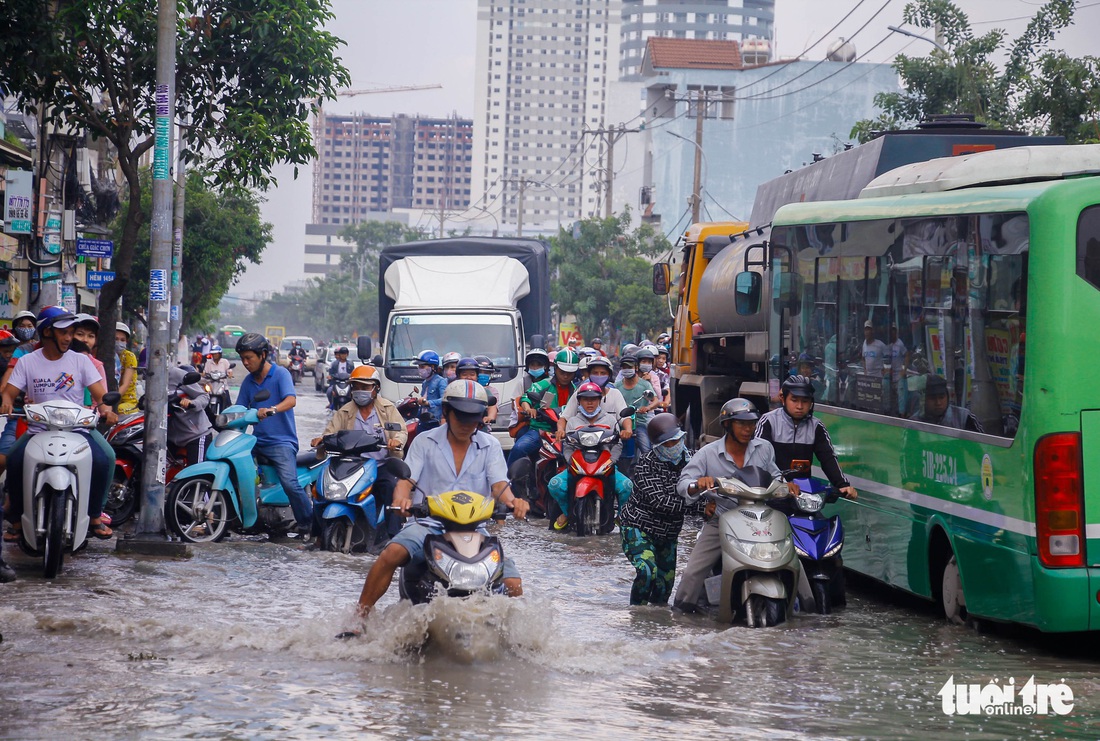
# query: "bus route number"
x,y
941,468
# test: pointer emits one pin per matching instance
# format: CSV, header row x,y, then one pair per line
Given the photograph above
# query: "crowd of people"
x,y
655,485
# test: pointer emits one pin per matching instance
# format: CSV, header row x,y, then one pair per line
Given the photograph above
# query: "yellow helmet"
x,y
461,507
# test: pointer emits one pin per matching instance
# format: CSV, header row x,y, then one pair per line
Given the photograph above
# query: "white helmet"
x,y
451,357
467,397
121,327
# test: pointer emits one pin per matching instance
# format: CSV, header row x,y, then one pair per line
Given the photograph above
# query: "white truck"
x,y
473,296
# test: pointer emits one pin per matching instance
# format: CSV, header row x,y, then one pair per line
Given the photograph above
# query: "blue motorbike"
x,y
352,517
234,488
818,540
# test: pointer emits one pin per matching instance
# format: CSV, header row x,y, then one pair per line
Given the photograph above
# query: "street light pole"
x,y
934,42
701,168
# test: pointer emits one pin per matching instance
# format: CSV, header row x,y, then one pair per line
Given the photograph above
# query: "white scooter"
x,y
760,567
57,477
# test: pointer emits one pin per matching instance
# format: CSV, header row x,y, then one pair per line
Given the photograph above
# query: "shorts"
x,y
411,538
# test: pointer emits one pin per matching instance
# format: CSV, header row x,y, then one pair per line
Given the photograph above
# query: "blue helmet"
x,y
431,357
54,316
466,364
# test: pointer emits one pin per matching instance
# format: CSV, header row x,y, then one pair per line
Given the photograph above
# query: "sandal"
x,y
101,531
559,524
12,534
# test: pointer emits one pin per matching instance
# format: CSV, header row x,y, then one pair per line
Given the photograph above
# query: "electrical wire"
x,y
719,205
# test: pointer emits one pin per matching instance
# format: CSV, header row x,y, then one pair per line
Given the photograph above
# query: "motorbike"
x,y
296,368
216,383
818,540
351,516
208,499
760,569
592,485
411,411
341,389
57,473
548,464
127,438
629,458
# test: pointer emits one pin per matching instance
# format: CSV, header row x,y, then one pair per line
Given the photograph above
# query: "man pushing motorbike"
x,y
455,456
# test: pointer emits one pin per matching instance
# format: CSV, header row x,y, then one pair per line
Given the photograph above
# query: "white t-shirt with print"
x,y
47,380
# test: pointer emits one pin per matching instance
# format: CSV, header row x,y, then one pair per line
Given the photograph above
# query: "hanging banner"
x,y
18,196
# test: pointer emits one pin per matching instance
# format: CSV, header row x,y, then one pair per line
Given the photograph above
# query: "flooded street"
x,y
238,641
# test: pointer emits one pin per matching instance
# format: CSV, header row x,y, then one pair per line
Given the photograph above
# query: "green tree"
x,y
247,75
222,232
1030,92
604,276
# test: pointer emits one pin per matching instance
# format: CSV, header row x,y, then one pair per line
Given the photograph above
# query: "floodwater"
x,y
238,642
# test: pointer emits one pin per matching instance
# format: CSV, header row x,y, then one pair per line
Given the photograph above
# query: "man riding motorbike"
x,y
459,446
215,362
49,373
555,392
188,424
738,449
371,413
427,363
276,433
340,365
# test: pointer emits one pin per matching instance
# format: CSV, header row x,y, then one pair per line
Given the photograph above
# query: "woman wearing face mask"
x,y
125,369
536,365
651,521
599,373
450,363
85,332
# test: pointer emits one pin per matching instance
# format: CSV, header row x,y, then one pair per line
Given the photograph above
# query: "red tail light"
x,y
1059,500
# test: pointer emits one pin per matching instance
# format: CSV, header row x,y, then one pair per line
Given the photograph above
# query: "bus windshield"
x,y
467,334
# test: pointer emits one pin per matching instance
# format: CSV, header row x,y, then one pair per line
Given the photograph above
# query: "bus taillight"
x,y
1059,500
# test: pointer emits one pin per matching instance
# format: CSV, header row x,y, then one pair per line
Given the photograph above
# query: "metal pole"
x,y
697,195
176,316
519,216
610,173
151,521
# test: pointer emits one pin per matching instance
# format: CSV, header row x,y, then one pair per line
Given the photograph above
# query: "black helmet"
x,y
253,342
467,364
631,360
739,409
662,428
485,363
798,386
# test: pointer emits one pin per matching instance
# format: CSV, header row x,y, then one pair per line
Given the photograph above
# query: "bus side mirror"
x,y
362,347
747,293
662,278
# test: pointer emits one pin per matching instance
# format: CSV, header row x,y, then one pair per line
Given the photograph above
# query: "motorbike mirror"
x,y
520,470
377,361
628,412
398,468
112,398
535,397
263,395
492,400
649,395
191,377
232,366
394,427
362,347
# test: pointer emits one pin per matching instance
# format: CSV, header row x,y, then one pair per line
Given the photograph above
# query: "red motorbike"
x,y
412,413
592,498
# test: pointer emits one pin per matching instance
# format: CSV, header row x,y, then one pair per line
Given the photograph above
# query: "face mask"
x,y
450,374
362,398
669,455
120,347
645,367
594,413
536,372
24,333
600,381
78,345
483,379
628,372
425,373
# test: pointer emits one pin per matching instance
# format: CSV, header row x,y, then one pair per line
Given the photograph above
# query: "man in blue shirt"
x,y
276,434
456,456
427,364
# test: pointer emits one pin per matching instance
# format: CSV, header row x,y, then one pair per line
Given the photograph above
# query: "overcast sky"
x,y
413,42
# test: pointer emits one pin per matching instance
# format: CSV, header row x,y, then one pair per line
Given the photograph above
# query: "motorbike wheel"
x,y
823,599
339,535
764,612
195,512
122,499
586,515
53,552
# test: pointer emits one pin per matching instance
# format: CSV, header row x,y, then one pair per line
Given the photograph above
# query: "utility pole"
x,y
697,189
522,183
151,521
611,135
176,312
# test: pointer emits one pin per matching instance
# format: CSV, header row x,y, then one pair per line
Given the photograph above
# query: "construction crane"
x,y
319,121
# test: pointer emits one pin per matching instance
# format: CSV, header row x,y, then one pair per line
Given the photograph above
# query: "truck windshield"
x,y
466,334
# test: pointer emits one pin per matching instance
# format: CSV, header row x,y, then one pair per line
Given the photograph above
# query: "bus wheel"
x,y
952,597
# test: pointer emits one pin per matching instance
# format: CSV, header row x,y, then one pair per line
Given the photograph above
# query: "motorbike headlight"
x,y
589,439
61,417
768,551
834,550
467,577
224,419
808,502
335,490
206,386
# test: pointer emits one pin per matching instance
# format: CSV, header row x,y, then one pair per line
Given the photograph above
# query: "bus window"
x,y
1088,245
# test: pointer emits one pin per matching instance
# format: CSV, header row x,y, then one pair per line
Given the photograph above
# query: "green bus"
x,y
939,275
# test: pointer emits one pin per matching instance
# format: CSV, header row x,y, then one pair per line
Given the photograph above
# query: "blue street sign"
x,y
96,279
95,247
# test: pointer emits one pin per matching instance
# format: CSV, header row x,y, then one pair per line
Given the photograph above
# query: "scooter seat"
x,y
307,460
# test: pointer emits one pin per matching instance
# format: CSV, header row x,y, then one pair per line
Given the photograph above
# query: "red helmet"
x,y
589,390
